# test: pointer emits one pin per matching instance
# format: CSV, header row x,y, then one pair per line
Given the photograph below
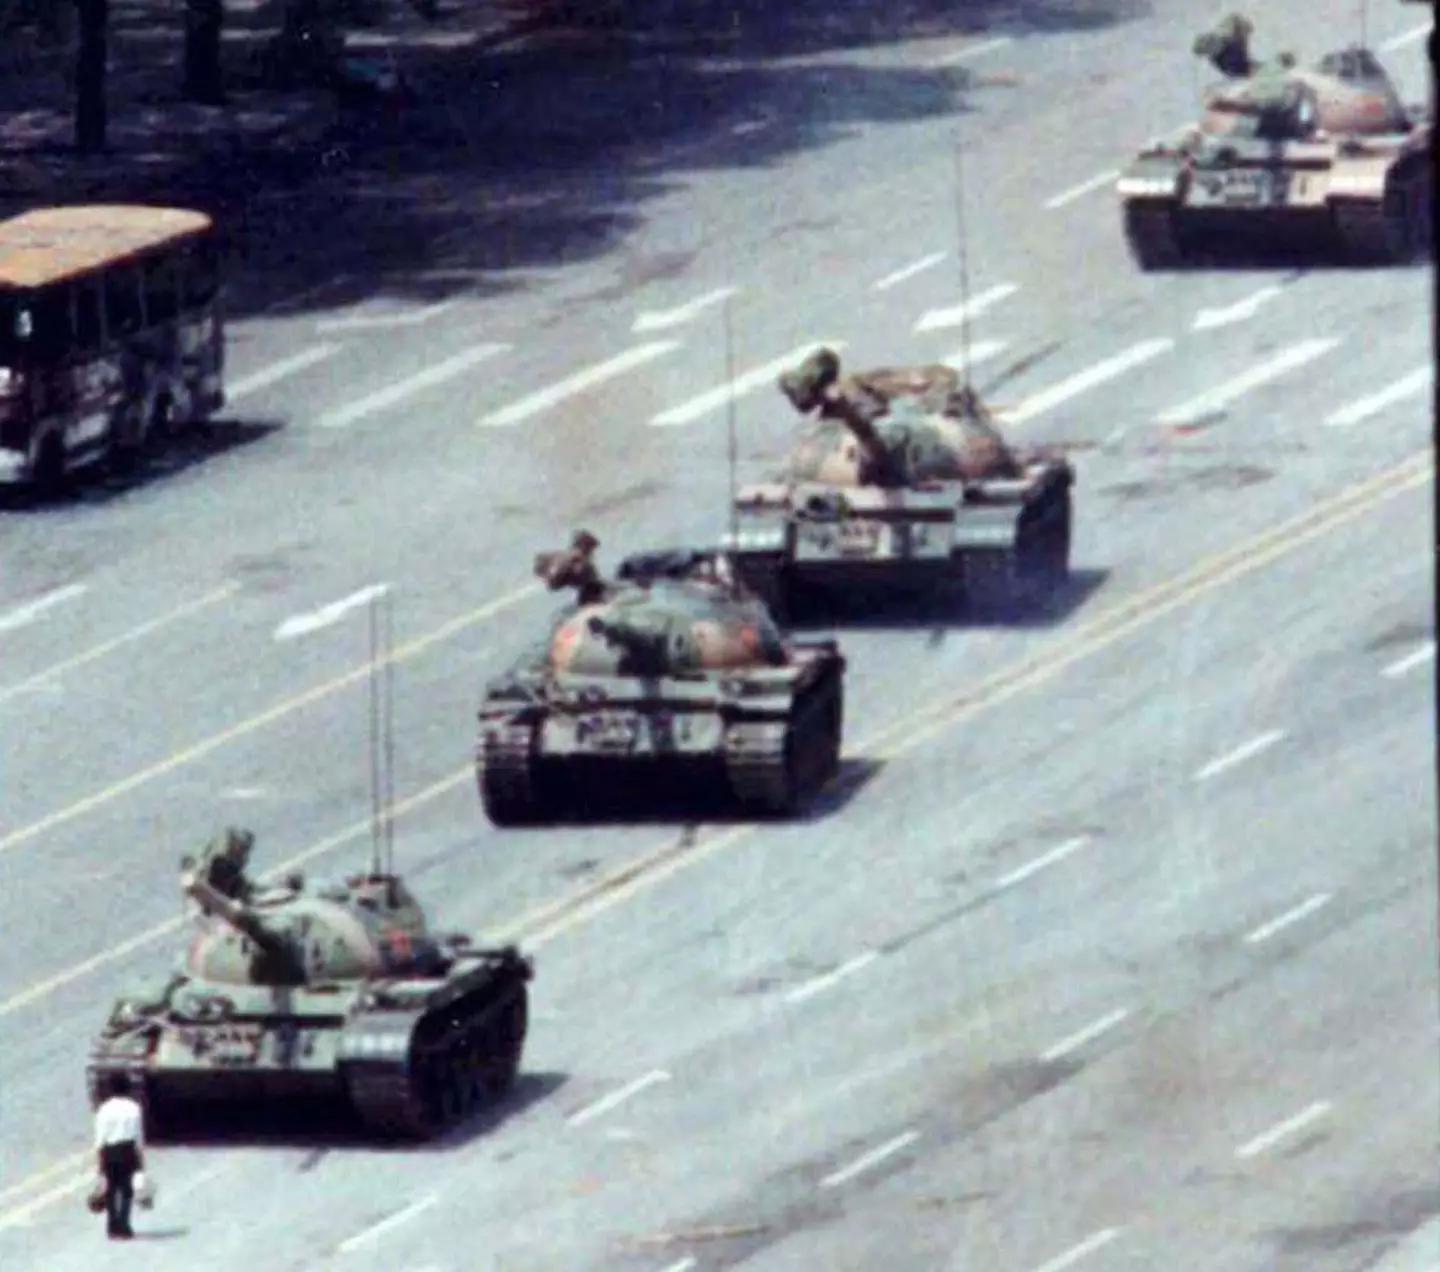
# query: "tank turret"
x,y
814,384
673,674
1325,154
275,960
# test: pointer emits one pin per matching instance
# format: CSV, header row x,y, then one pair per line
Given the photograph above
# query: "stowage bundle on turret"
x,y
902,481
1284,156
668,683
340,994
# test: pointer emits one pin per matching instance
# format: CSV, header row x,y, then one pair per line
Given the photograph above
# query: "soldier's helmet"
x,y
805,385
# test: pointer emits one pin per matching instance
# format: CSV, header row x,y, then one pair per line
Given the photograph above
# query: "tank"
x,y
903,480
1325,155
669,683
327,994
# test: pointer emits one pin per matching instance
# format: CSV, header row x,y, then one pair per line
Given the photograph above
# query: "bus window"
x,y
43,323
123,313
89,328
162,295
9,335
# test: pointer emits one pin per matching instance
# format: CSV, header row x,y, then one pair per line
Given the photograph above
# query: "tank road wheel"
x,y
1152,236
502,1043
508,789
1043,545
762,767
1393,231
825,731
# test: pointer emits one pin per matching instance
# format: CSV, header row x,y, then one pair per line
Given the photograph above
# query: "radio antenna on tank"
x,y
375,776
732,434
389,727
1364,24
964,256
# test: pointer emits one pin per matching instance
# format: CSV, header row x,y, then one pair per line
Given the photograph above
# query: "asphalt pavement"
x,y
1116,942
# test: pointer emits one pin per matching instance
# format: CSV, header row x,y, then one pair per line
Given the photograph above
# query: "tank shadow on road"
x,y
323,1128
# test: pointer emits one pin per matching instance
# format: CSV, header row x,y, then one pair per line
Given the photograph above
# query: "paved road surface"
x,y
1129,913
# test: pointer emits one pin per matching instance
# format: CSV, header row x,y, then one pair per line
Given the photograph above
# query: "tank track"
x,y
508,789
1042,543
774,767
1153,237
457,1062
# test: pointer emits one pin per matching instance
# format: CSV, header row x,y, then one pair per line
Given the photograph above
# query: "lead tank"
x,y
902,480
1284,154
669,680
338,993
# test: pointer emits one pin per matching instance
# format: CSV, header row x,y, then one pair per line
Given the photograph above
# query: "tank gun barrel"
x,y
238,915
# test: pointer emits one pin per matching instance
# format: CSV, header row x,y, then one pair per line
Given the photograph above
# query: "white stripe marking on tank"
x,y
544,399
756,378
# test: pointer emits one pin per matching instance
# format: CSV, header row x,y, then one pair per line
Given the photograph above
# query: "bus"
x,y
111,336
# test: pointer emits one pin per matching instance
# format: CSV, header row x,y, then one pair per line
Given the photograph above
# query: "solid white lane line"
x,y
1418,381
1082,1036
375,1231
659,321
24,615
1425,654
1083,381
1283,1130
1400,41
972,50
277,371
871,1159
1083,1250
822,983
1082,189
588,378
954,315
756,378
1293,915
382,321
1243,752
979,352
907,272
616,1098
1240,311
1042,862
116,642
429,378
1263,373
326,615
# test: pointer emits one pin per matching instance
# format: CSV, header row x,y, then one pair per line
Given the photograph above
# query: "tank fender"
x,y
1152,179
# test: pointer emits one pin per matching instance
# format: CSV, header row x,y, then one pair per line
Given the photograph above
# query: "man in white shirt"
x,y
119,1154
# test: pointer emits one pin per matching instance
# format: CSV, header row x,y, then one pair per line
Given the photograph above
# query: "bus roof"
x,y
48,245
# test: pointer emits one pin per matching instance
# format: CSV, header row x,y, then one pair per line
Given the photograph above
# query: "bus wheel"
x,y
162,422
50,478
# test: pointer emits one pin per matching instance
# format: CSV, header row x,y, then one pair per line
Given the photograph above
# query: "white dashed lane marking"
x,y
1083,381
1291,916
1217,399
822,983
870,1160
907,272
616,1098
756,378
1079,191
1083,1250
328,615
277,371
662,319
24,615
1245,751
431,377
578,383
1081,1037
1416,658
1418,381
1283,1130
953,316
